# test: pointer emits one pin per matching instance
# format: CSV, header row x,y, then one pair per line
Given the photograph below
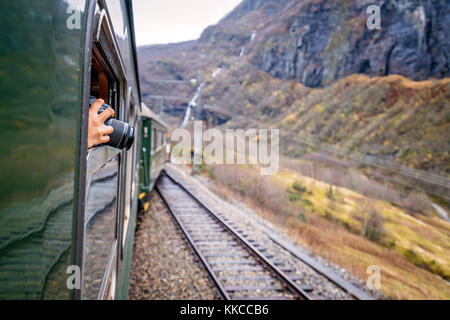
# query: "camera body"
x,y
123,135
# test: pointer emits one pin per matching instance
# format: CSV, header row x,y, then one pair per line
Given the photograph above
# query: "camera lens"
x,y
123,135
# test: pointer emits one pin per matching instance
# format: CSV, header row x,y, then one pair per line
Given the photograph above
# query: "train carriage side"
x,y
67,214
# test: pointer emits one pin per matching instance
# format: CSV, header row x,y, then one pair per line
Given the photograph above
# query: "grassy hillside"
x,y
349,229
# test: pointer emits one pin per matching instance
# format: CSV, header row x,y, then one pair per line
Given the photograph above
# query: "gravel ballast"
x,y
163,265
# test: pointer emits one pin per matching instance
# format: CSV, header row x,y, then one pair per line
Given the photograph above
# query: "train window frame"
x,y
104,45
131,115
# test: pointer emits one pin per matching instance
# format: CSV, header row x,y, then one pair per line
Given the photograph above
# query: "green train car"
x,y
67,214
153,153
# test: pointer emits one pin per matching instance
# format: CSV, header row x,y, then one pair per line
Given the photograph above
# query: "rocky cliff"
x,y
318,42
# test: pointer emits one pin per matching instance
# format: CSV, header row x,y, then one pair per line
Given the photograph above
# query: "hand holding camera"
x,y
104,129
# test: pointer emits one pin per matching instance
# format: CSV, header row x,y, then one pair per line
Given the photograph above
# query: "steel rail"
x,y
222,292
295,289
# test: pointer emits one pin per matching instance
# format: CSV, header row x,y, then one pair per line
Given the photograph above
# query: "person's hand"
x,y
98,132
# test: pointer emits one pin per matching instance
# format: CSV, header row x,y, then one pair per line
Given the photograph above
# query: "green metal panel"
x,y
41,52
144,170
124,280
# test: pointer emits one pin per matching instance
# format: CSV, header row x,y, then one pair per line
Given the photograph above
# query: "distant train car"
x,y
67,214
153,153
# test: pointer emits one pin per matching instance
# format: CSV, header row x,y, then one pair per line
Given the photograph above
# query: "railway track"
x,y
237,266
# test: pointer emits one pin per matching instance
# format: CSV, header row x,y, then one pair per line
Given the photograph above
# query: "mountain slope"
x,y
292,65
318,42
391,117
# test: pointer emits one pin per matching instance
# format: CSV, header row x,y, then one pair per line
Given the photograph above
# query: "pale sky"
x,y
167,21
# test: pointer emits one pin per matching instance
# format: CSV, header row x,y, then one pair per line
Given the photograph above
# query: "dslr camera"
x,y
123,135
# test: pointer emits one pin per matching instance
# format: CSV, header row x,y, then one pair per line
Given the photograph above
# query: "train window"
x,y
102,199
158,133
145,132
153,140
158,138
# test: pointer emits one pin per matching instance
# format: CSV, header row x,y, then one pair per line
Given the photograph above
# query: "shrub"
x,y
307,204
373,225
302,217
294,197
297,186
330,193
392,243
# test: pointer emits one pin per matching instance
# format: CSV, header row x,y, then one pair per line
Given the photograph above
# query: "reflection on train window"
x,y
129,180
100,227
109,293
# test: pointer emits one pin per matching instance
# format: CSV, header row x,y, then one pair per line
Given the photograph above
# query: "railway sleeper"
x,y
272,287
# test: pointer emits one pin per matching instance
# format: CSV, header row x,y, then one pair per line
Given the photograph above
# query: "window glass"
x,y
158,141
153,139
100,227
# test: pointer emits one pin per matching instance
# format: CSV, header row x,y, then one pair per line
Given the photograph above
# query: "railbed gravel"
x,y
248,222
163,265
